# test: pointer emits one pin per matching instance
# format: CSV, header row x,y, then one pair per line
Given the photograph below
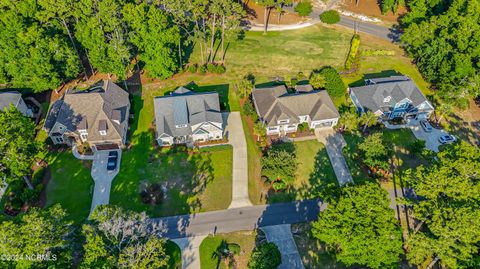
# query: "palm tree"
x,y
444,109
222,253
368,119
259,130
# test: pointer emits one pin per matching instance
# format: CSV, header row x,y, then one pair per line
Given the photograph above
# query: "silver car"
x,y
447,139
426,126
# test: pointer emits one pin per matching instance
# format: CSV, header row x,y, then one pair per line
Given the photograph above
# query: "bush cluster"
x,y
215,68
304,8
330,17
354,44
333,82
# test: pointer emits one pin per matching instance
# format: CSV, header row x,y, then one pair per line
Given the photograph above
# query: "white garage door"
x,y
323,124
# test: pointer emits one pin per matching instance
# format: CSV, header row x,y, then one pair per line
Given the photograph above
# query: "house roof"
x,y
304,88
8,98
92,109
275,103
382,94
177,113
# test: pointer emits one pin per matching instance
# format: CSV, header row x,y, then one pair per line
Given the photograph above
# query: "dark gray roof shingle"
x,y
9,98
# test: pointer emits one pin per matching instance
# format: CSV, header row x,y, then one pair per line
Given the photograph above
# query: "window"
x,y
283,121
83,136
181,126
272,128
103,132
59,139
387,99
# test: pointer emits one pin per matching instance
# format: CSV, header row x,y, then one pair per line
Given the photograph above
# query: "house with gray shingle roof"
x,y
391,97
186,116
14,98
97,116
282,112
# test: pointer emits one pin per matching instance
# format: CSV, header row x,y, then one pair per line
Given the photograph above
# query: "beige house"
x,y
97,116
282,112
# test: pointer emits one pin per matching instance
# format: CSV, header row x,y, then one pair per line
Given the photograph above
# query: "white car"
x,y
447,139
426,126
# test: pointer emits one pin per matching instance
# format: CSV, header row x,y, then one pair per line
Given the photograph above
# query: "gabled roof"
x,y
382,94
9,98
95,109
275,103
177,113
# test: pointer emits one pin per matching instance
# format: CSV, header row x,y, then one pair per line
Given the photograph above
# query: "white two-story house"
x,y
185,117
390,98
282,112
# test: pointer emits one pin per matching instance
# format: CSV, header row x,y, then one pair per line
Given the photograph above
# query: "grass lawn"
x,y
314,171
244,239
400,141
194,182
311,250
172,250
70,185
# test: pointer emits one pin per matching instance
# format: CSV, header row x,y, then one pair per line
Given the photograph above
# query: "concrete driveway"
x,y
236,138
282,236
102,177
431,138
190,249
334,143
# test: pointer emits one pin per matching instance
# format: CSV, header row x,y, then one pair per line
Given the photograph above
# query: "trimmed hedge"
x,y
330,17
354,44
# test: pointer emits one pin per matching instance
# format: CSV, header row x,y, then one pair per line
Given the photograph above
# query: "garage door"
x,y
323,124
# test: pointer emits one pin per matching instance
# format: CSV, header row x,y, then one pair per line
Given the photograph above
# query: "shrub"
x,y
192,68
354,44
37,176
317,81
303,127
202,69
265,255
248,108
279,162
304,8
220,69
279,185
330,17
211,68
333,82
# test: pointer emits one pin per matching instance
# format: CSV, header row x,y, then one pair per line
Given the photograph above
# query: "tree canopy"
x,y
333,82
18,147
449,209
123,239
374,151
38,232
444,38
265,256
360,228
280,163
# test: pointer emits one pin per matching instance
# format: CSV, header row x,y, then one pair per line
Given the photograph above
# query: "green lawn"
x,y
70,185
194,182
244,239
313,172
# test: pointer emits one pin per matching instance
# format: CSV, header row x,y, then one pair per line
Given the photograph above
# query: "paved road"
x,y
282,236
370,28
236,138
238,219
102,178
334,143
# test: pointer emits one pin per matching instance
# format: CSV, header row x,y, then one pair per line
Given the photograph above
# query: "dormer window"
x,y
180,126
102,127
387,99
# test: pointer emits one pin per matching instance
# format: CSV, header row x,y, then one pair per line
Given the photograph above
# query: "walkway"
x,y
236,138
190,249
334,143
282,236
238,219
102,178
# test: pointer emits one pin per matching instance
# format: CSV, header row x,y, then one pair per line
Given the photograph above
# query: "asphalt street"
x,y
237,219
380,31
